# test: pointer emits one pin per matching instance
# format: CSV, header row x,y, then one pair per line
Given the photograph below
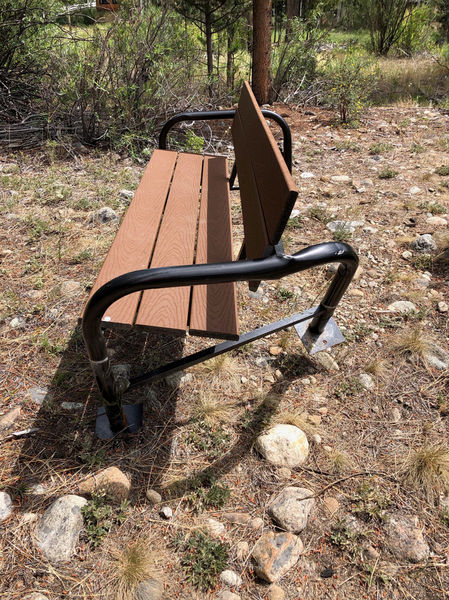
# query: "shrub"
x,y
416,33
347,84
203,559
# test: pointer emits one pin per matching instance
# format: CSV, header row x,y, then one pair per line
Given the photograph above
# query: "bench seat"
x,y
180,215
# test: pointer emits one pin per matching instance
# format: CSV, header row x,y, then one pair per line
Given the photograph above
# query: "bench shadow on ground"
x,y
65,448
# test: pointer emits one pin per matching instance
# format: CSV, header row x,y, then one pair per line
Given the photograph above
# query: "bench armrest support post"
x,y
270,268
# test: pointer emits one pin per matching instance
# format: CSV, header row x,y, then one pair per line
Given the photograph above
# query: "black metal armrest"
x,y
216,115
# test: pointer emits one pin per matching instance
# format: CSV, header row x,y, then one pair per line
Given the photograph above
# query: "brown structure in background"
x,y
107,5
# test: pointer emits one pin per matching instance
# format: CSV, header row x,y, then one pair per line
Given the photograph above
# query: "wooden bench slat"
x,y
214,307
134,242
168,308
276,187
256,239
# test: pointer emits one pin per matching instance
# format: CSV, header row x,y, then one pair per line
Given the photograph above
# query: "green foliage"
x,y
193,143
415,35
443,170
387,173
215,496
380,148
99,516
344,537
370,503
349,387
342,234
386,20
347,83
320,214
203,559
207,438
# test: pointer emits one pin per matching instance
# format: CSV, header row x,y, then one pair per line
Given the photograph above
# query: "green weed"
x,y
320,214
203,559
387,173
370,503
204,498
99,517
443,170
380,148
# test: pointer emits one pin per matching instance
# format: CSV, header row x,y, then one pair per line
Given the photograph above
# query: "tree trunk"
x,y
210,59
230,58
261,50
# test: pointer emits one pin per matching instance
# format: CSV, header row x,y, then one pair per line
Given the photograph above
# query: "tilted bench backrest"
x,y
267,190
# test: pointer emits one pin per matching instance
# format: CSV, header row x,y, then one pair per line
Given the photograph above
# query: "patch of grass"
x,y
210,410
416,148
296,222
387,173
370,503
435,208
297,419
99,518
344,537
130,566
380,148
411,342
427,469
52,347
204,438
423,262
443,170
348,387
37,227
214,496
341,234
203,559
283,294
347,145
320,214
378,367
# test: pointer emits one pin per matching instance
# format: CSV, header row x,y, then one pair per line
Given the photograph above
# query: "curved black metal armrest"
x,y
213,115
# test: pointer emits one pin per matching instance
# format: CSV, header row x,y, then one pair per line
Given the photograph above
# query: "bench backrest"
x,y
267,190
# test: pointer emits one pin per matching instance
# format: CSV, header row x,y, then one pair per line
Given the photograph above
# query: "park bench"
x,y
171,268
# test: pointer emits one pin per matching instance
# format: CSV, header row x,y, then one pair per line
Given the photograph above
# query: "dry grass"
x,y
427,469
210,409
379,367
131,566
411,343
338,461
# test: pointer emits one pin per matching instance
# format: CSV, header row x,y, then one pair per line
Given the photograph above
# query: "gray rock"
x,y
35,596
231,578
290,510
424,243
274,554
178,379
6,507
343,225
366,381
242,550
237,518
153,497
283,446
151,589
327,361
9,418
436,221
58,531
307,175
214,528
437,358
166,512
70,287
443,307
72,405
121,373
17,323
405,539
402,306
38,394
227,595
105,215
256,523
414,190
126,194
341,179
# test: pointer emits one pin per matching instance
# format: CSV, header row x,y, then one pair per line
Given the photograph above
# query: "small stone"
x,y
331,504
126,194
437,358
443,307
402,306
274,554
6,507
283,445
214,527
70,287
237,518
323,410
72,405
291,508
405,539
371,553
275,350
151,589
38,394
104,215
256,523
327,361
35,294
366,381
178,379
414,190
395,415
166,512
278,374
231,578
407,254
227,595
29,517
9,418
437,221
307,175
242,550
284,473
314,420
17,323
243,379
37,489
35,596
111,480
317,439
341,179
424,243
275,592
58,531
421,283
153,497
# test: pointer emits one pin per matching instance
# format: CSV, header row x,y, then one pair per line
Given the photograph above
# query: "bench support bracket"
x,y
313,343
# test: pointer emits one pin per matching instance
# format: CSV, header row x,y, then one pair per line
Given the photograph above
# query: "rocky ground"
x,y
263,475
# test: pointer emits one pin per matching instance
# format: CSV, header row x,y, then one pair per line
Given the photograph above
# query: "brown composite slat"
x,y
256,239
168,308
277,190
134,242
214,307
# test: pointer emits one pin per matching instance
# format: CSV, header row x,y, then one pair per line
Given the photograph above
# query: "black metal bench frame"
x,y
315,326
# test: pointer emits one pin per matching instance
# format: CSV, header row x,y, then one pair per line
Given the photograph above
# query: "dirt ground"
x,y
360,439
